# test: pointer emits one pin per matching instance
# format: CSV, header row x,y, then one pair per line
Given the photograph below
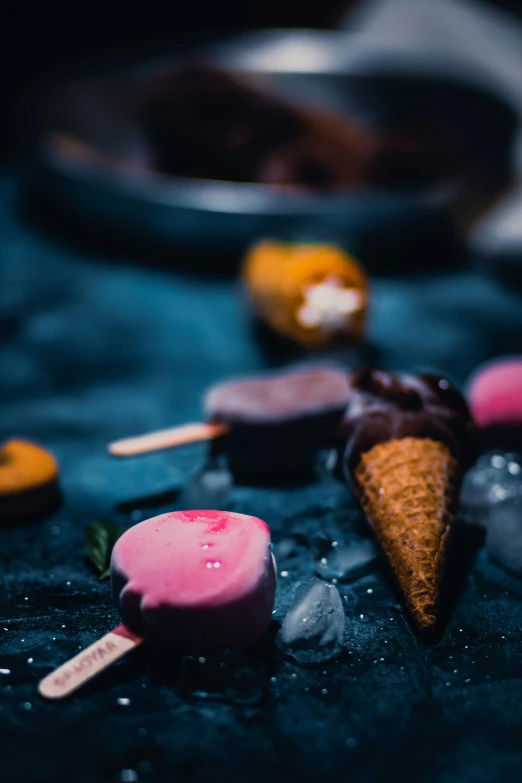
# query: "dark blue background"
x,y
93,349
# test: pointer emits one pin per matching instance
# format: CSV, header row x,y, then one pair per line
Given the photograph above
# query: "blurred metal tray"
x,y
92,161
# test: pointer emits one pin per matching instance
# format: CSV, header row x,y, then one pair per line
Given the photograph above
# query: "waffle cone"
x,y
408,488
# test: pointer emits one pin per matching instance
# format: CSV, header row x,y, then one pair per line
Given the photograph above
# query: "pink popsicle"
x,y
196,578
495,394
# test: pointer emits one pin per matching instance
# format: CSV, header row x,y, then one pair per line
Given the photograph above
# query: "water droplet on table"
x,y
123,701
241,681
128,776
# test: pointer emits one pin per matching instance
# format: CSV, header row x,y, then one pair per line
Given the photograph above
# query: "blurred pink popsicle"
x,y
495,393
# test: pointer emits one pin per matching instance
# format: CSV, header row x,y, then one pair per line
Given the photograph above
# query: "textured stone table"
x,y
93,349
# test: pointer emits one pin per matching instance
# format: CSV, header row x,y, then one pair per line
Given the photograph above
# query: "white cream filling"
x,y
329,306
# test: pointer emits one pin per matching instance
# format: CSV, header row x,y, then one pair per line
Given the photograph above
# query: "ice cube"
x,y
208,488
347,563
496,477
313,629
504,537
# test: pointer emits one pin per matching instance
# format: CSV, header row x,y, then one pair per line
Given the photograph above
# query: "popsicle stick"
x,y
89,663
167,439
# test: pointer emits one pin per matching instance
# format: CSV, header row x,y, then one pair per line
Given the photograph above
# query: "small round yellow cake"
x,y
28,480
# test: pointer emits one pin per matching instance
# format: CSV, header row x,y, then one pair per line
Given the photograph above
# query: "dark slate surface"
x,y
92,350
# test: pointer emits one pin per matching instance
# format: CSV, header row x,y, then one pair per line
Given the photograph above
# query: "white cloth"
x,y
468,38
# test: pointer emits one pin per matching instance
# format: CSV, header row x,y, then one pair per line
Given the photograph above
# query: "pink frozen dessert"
x,y
196,578
495,397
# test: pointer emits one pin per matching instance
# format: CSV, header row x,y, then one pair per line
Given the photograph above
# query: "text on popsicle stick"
x,y
88,663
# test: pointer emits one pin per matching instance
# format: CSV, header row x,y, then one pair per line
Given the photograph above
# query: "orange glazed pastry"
x,y
28,480
313,294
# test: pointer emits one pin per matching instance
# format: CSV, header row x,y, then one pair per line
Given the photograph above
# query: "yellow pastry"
x,y
313,294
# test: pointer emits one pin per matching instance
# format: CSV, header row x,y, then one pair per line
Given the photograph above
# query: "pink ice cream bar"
x,y
495,394
196,578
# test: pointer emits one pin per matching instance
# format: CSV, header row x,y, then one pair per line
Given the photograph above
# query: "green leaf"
x,y
100,538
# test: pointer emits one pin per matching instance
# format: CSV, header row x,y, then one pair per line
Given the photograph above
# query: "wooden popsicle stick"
x,y
89,663
166,439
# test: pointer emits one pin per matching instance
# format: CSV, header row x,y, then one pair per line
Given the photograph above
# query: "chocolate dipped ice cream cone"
x,y
410,439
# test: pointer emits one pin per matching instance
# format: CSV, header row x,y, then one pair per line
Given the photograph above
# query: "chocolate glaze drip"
x,y
383,406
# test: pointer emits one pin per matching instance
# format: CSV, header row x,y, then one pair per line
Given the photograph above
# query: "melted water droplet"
x,y
5,671
128,776
123,701
284,574
27,705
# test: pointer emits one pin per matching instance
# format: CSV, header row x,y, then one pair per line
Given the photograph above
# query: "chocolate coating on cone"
x,y
408,488
384,407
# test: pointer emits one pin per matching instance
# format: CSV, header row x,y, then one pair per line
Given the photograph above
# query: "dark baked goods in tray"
x,y
205,123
